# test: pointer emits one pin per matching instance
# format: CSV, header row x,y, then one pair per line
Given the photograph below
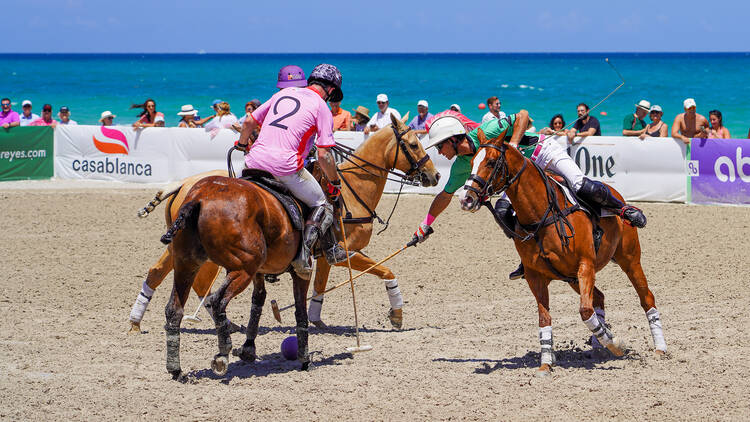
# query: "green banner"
x,y
27,153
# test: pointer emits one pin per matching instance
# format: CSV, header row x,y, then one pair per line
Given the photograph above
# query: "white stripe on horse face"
x,y
478,160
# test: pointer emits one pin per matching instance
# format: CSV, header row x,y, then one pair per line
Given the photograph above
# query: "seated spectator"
x,y
657,128
148,115
382,118
493,104
633,124
8,117
64,116
455,107
187,116
215,108
46,119
360,119
689,124
224,118
423,114
342,119
555,127
159,121
586,125
718,130
27,116
107,118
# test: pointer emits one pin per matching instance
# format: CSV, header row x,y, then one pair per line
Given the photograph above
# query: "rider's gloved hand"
x,y
334,192
423,231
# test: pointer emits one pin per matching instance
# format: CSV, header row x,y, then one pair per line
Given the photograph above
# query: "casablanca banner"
x,y
719,171
26,153
151,155
652,169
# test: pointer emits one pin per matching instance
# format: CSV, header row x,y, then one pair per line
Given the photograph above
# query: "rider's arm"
x,y
519,127
247,128
327,164
439,204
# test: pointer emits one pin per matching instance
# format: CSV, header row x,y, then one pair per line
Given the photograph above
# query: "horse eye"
x,y
415,147
491,163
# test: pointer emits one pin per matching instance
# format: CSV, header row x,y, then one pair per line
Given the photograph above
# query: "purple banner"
x,y
719,170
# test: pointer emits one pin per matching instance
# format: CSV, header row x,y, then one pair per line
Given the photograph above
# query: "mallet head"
x,y
275,310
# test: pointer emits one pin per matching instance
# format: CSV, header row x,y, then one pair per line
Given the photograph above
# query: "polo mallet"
x,y
194,318
360,347
277,311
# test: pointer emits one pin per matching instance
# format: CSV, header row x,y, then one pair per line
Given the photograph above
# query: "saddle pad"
x,y
294,209
572,199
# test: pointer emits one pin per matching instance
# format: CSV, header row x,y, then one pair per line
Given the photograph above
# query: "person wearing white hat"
x,y
423,114
27,116
382,118
657,128
188,113
107,118
689,124
159,121
633,124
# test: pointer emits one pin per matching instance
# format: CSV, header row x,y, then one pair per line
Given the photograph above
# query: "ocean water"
x,y
544,84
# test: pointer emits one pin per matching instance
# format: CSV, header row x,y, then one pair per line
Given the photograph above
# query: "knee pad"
x,y
502,207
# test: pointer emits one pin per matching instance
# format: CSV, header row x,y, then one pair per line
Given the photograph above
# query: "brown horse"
x,y
555,246
365,178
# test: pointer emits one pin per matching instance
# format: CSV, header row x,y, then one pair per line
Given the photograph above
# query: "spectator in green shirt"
x,y
633,124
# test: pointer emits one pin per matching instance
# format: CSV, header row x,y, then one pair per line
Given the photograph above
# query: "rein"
x,y
347,154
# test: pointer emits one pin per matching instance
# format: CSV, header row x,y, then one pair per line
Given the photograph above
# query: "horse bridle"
x,y
501,167
416,166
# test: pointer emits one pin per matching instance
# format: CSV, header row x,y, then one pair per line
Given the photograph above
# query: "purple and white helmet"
x,y
291,75
328,74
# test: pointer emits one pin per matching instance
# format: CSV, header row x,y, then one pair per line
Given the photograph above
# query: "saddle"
x,y
296,210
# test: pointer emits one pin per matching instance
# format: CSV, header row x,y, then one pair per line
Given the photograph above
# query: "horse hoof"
x,y
397,318
616,348
219,365
305,366
135,327
320,324
544,370
247,355
660,353
177,375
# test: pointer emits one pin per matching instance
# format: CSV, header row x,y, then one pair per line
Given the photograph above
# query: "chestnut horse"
x,y
365,176
553,245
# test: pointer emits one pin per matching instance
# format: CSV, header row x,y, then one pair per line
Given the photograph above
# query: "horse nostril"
x,y
437,176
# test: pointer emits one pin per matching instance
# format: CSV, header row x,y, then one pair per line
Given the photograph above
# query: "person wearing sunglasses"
x,y
46,119
382,118
107,118
8,117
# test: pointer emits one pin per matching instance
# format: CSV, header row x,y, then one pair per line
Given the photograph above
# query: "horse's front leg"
x,y
540,288
586,273
235,283
598,310
247,353
300,286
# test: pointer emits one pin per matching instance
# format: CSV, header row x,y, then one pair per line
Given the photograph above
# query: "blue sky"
x,y
228,26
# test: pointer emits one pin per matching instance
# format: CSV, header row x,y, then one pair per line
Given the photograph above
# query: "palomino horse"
x,y
251,243
365,179
562,246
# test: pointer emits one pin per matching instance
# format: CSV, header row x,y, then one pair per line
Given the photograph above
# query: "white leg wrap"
x,y
394,294
600,330
316,304
545,339
141,303
654,322
594,341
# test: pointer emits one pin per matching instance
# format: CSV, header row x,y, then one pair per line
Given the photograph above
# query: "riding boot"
x,y
333,251
518,273
303,263
599,193
504,217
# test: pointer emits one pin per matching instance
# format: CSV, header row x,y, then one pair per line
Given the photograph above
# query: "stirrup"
x,y
518,273
633,216
336,254
303,263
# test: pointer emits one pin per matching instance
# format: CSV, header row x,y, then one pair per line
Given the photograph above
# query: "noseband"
x,y
486,189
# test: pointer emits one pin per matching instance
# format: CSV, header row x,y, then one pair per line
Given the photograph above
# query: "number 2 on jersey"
x,y
277,122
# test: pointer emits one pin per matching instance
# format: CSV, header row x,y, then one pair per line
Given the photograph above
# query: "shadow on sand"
x,y
569,358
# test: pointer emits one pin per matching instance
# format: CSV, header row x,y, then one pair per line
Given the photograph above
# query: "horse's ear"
x,y
481,136
405,118
394,121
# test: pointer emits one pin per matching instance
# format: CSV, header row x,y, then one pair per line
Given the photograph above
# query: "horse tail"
x,y
158,198
188,215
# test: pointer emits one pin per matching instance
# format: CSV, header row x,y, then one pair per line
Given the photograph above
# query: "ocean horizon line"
x,y
540,53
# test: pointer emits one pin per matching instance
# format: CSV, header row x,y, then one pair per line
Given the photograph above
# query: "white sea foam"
x,y
522,86
504,86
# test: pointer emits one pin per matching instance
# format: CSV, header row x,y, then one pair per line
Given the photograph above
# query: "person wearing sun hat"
x,y
633,124
360,117
187,113
107,118
689,124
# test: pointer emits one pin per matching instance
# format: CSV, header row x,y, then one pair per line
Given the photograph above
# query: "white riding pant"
x,y
304,187
553,156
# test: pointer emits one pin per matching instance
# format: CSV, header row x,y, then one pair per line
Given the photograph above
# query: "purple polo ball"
x,y
291,75
289,348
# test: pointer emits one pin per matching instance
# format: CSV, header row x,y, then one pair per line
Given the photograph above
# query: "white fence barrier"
x,y
648,170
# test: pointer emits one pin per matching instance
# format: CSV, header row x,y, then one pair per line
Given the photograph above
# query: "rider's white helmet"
x,y
443,128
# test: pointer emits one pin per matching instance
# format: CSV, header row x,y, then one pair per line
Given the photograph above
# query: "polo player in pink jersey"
x,y
288,121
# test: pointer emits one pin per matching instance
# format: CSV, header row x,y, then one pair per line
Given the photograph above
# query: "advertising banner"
x,y
719,171
26,153
652,169
150,155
